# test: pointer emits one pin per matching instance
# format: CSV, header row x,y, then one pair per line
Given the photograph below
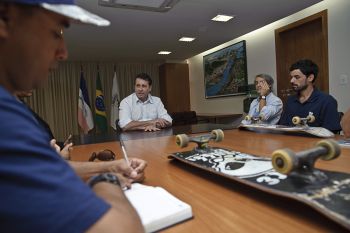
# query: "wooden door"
x,y
175,87
304,39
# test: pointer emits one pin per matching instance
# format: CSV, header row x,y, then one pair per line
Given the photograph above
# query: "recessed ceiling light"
x,y
164,52
187,39
223,18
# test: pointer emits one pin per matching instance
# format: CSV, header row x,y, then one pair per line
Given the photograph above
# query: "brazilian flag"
x,y
100,109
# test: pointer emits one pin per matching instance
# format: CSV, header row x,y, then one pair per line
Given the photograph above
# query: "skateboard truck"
x,y
253,120
301,164
299,121
217,135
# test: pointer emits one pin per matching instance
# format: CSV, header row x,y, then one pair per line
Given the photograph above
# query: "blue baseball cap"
x,y
67,8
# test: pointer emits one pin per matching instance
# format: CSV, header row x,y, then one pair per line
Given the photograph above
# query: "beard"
x,y
300,88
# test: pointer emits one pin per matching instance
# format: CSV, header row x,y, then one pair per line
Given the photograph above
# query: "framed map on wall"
x,y
225,71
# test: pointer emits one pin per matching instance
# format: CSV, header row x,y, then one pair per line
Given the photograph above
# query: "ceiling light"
x,y
223,18
145,5
187,39
164,52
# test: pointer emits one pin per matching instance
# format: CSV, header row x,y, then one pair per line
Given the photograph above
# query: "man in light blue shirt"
x,y
267,106
141,110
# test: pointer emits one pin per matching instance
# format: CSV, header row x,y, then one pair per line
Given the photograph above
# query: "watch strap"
x,y
104,177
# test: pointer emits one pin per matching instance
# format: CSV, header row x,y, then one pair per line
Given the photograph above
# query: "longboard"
x,y
287,174
301,126
299,130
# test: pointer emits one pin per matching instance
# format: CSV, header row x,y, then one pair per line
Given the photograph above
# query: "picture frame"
x,y
225,71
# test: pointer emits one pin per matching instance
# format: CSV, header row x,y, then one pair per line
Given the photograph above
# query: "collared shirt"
x,y
133,109
323,106
270,113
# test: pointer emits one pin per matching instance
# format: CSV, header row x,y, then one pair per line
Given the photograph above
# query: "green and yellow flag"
x,y
100,109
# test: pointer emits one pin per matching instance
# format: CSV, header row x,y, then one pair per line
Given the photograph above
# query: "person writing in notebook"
x,y
85,169
267,106
40,191
141,110
308,98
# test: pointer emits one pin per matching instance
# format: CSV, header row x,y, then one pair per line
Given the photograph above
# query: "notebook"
x,y
156,207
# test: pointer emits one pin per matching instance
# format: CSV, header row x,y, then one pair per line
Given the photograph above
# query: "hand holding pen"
x,y
138,165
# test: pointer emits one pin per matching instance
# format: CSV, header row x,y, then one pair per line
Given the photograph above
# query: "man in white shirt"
x,y
141,110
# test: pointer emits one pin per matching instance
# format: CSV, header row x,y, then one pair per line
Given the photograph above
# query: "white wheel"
x,y
283,160
217,135
296,120
333,149
182,140
247,118
311,118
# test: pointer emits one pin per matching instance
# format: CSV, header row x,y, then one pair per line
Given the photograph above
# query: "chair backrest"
x,y
184,118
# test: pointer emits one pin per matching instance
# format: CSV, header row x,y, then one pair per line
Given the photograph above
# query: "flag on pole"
x,y
115,101
100,110
85,119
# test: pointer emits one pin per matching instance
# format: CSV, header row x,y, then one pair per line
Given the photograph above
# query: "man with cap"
x,y
39,191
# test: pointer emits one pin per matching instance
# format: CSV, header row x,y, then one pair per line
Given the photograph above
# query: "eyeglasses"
x,y
104,155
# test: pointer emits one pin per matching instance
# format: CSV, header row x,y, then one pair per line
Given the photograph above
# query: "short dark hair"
x,y
307,67
145,77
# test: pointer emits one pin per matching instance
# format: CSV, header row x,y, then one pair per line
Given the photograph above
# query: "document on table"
x,y
156,207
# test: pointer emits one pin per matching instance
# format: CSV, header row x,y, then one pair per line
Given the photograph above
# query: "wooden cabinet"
x,y
174,87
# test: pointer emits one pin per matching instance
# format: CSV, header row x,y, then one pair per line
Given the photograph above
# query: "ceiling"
x,y
137,36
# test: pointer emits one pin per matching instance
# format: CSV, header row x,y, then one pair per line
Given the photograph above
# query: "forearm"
x,y
87,169
137,125
122,217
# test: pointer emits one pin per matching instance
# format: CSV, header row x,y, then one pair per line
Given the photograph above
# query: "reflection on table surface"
x,y
132,135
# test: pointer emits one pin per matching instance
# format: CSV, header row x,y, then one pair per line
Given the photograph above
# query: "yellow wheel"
x,y
247,118
217,135
333,149
182,140
311,118
296,120
283,160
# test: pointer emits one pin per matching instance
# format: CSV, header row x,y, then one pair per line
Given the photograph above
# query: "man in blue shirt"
x,y
308,99
267,106
39,191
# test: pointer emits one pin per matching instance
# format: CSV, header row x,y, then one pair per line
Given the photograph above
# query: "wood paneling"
x,y
174,87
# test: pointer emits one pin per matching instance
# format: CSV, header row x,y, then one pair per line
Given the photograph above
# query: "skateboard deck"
x,y
299,130
326,191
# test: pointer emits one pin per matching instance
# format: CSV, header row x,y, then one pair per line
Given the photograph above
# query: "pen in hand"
x,y
68,140
124,152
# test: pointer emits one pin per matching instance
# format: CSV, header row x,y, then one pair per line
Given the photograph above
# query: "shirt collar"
x,y
149,99
313,97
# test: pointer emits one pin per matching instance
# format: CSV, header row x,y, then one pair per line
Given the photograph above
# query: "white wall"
x,y
261,58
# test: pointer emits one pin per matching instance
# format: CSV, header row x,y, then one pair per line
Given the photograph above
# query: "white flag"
x,y
115,102
85,119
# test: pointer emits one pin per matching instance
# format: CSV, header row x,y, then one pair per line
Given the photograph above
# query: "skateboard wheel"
x,y
283,160
217,135
333,149
247,118
182,140
311,118
296,120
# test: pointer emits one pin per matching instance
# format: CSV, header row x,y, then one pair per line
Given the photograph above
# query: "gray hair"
x,y
267,78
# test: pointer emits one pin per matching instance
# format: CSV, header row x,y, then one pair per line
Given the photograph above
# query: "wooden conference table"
x,y
219,204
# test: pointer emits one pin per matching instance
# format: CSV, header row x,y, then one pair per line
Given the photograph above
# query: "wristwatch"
x,y
263,97
104,177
